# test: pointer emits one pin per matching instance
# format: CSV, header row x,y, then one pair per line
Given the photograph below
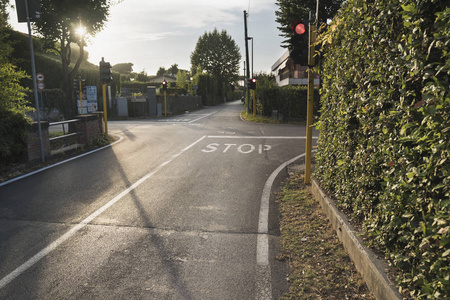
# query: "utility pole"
x,y
248,62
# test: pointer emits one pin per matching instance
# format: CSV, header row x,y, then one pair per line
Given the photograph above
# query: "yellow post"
x,y
254,102
310,104
105,110
165,105
81,97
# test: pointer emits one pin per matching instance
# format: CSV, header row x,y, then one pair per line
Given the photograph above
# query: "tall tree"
x,y
66,22
182,80
217,54
292,10
173,70
12,99
123,68
161,71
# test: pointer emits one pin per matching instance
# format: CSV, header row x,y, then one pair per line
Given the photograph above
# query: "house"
x,y
288,73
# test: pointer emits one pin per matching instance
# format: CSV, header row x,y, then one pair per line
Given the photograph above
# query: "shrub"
x,y
385,132
289,100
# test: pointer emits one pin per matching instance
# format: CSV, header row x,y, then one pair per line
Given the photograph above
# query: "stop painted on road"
x,y
241,148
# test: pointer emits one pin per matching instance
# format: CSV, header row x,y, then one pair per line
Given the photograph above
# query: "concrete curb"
x,y
371,269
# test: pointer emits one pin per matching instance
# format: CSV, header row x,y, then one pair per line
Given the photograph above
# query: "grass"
x,y
319,266
258,119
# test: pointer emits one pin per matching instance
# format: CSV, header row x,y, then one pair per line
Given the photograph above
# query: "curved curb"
x,y
371,269
61,162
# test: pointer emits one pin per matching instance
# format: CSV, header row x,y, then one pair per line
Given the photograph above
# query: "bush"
x,y
13,145
385,132
289,100
52,98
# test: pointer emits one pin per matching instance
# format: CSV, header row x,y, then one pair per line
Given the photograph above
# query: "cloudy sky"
x,y
153,34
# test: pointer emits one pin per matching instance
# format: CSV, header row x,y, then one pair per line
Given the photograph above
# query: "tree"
x,y
13,105
182,80
123,68
67,22
161,72
292,10
217,54
142,77
173,70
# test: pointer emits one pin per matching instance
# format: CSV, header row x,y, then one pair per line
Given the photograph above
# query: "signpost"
x,y
29,11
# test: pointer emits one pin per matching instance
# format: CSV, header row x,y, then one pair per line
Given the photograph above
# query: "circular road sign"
x,y
40,77
41,86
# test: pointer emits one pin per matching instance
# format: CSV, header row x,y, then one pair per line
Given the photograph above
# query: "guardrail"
x,y
64,130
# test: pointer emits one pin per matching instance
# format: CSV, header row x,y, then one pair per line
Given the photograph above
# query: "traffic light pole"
x,y
105,110
81,95
310,103
165,104
254,102
33,71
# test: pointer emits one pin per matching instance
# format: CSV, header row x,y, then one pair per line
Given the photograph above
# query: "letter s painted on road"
x,y
211,148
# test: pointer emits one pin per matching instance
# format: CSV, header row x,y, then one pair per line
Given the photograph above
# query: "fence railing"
x,y
64,129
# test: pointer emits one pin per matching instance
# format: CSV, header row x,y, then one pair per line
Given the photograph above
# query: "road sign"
x,y
40,77
40,86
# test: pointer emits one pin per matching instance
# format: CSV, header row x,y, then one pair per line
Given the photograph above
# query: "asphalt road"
x,y
180,208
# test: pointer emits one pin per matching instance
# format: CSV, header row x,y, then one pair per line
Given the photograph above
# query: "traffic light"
x,y
300,43
105,72
252,84
76,86
164,85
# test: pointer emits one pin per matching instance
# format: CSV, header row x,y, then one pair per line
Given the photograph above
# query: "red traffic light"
x,y
298,27
164,85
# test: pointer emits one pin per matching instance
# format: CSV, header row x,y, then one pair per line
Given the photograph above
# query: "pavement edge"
x,y
371,269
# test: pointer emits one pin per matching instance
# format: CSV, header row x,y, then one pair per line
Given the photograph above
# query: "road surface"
x,y
180,208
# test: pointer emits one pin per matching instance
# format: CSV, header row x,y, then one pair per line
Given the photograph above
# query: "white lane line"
x,y
259,137
61,162
264,282
202,117
44,252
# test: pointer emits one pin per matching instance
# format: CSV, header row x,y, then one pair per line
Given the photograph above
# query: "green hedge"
x,y
384,132
289,100
52,98
13,147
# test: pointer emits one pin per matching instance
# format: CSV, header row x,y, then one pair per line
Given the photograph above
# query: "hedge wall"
x,y
289,100
384,139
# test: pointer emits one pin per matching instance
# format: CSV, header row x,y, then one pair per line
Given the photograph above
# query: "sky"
x,y
154,34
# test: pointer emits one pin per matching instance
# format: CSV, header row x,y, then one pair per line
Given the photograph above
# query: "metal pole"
x,y
81,95
310,104
33,71
252,57
105,111
247,60
165,104
254,102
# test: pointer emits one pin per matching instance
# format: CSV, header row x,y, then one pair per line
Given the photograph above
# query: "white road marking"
x,y
186,121
264,281
44,252
259,137
202,117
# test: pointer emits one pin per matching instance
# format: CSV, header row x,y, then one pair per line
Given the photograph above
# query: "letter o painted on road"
x,y
252,148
